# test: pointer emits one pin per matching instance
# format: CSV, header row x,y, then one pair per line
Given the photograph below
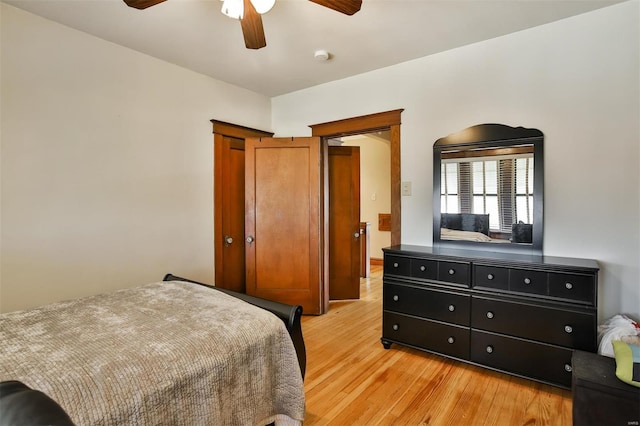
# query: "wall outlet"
x,y
406,188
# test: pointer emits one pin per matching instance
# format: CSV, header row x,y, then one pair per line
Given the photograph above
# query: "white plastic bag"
x,y
619,327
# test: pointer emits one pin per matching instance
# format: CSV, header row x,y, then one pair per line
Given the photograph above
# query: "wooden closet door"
x,y
285,211
228,208
229,201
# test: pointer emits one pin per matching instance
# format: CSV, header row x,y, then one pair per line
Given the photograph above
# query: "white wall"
x,y
107,163
575,79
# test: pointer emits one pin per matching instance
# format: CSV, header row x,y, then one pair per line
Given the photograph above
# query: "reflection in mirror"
x,y
487,188
495,185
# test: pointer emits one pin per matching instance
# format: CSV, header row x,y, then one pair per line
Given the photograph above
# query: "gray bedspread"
x,y
169,353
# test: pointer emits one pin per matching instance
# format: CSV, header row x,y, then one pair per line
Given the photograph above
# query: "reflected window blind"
x,y
464,187
507,194
485,190
523,189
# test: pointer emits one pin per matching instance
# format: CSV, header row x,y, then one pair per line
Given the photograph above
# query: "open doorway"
x,y
383,121
375,193
387,123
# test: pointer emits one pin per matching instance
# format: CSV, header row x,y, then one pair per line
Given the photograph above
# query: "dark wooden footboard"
x,y
289,314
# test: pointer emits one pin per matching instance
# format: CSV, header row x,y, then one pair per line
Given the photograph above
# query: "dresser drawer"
x,y
562,327
454,272
524,281
538,361
574,287
397,265
491,277
433,304
424,269
449,272
429,335
579,288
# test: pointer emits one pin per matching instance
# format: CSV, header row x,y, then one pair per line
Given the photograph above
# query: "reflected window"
x,y
450,201
501,187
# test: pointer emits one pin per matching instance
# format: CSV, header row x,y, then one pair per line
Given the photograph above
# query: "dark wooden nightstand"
x,y
599,397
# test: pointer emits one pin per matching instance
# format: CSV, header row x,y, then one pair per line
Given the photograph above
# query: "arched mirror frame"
x,y
485,136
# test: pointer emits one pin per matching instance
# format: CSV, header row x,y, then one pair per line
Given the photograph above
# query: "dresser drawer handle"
x,y
489,349
395,264
423,268
527,281
452,308
568,329
490,277
395,298
451,271
489,314
396,327
567,368
569,286
451,340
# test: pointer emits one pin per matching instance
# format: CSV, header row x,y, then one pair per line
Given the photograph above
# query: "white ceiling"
x,y
195,35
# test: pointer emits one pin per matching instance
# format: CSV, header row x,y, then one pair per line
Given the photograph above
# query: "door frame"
x,y
388,120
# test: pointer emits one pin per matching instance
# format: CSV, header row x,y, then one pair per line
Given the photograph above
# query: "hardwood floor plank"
x,y
352,380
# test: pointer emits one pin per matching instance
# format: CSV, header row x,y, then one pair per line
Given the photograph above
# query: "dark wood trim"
x,y
396,207
389,120
236,131
357,125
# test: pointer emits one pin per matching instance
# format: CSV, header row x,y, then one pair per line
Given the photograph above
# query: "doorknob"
x,y
250,239
356,235
227,240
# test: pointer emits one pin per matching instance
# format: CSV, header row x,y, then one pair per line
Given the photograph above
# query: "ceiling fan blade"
x,y
142,4
348,7
252,27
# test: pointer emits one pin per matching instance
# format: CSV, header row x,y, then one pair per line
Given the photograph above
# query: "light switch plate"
x,y
406,188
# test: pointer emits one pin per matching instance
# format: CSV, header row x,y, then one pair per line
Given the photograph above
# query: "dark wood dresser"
x,y
519,314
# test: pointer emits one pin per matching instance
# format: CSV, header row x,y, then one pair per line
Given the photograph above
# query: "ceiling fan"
x,y
249,13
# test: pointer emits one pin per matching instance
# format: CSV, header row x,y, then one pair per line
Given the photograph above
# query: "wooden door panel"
x,y
344,222
284,217
280,190
228,208
229,199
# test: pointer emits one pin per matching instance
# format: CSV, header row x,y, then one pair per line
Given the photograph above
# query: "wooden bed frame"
x,y
289,314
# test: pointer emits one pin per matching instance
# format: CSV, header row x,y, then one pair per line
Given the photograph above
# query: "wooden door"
x,y
344,222
228,212
285,221
230,262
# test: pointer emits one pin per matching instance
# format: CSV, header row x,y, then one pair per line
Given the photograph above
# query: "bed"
x,y
465,227
175,352
475,227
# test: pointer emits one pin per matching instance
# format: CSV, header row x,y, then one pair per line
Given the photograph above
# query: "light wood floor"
x,y
352,380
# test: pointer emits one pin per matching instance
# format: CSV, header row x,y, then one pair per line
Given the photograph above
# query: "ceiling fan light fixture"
x,y
263,6
233,8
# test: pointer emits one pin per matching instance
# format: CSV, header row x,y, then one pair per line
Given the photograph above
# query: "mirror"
x,y
488,189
